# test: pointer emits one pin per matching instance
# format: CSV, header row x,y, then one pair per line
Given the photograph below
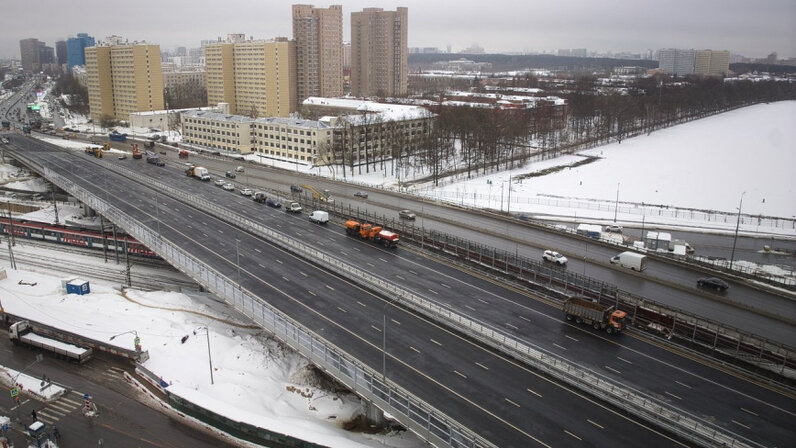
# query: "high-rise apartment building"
x,y
675,61
122,79
255,77
29,54
75,49
60,52
711,63
379,54
318,33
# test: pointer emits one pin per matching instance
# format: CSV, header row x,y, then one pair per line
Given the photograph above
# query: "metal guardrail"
x,y
413,412
664,415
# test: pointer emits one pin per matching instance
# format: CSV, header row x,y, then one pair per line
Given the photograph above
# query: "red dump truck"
x,y
372,232
583,310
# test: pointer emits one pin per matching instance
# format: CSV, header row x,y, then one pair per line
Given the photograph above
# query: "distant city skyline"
x,y
752,29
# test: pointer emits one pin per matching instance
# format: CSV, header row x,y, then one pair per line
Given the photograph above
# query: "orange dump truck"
x,y
137,154
372,232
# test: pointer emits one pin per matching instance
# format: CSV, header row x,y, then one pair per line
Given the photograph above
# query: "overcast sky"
x,y
752,28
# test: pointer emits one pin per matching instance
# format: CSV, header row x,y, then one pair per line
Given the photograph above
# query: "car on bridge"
x,y
554,257
406,214
361,194
246,192
713,282
613,228
220,182
228,187
271,202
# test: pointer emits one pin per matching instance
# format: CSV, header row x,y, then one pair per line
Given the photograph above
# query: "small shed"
x,y
78,286
658,240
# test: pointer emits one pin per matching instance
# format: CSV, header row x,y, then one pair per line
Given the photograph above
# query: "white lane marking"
x,y
375,328
623,360
595,424
362,304
515,404
573,435
261,265
460,374
370,264
672,395
748,411
285,278
562,348
435,342
279,261
220,231
482,366
400,277
683,384
414,349
395,321
312,293
382,259
204,223
433,292
534,392
469,307
445,286
342,309
483,301
412,272
344,254
329,288
258,250
303,273
570,337
613,370
741,424
524,318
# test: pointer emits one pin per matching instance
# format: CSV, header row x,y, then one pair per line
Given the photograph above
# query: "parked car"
x,y
239,169
228,187
246,192
293,207
554,257
271,202
220,182
295,189
361,194
406,214
613,228
230,174
713,282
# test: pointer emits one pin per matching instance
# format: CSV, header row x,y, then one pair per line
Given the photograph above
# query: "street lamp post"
x,y
737,225
136,341
209,358
616,205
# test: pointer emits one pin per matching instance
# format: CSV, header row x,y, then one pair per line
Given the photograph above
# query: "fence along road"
x,y
665,416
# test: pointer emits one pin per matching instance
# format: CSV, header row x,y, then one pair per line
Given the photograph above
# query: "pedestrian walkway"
x,y
56,410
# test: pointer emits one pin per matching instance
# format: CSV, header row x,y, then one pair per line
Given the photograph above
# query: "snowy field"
x,y
256,380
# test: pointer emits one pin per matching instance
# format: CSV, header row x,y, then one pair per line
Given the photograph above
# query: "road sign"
x,y
14,392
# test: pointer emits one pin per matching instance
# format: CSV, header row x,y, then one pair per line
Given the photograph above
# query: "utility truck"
x,y
372,232
601,317
22,333
198,172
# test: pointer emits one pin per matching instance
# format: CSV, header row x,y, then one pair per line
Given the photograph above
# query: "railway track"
x,y
145,273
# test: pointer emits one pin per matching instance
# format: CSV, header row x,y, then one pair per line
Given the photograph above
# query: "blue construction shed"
x,y
78,286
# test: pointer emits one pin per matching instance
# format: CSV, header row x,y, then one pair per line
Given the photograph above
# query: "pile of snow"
x,y
256,379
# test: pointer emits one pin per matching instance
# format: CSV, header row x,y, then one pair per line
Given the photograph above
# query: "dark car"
x,y
230,174
361,194
713,282
271,202
295,189
406,214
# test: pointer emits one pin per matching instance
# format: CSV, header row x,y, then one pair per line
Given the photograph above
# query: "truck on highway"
x,y
601,317
183,154
319,216
198,172
137,154
117,137
95,151
154,159
632,260
22,333
372,232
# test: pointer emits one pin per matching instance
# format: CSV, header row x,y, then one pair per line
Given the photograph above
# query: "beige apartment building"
x,y
318,33
711,63
174,81
273,137
379,53
255,77
122,79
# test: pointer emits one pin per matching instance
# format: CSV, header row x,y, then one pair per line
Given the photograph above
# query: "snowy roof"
x,y
77,282
157,112
218,116
387,112
293,122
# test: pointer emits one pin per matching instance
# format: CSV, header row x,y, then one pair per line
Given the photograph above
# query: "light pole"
x,y
737,225
209,358
237,258
136,341
616,205
157,212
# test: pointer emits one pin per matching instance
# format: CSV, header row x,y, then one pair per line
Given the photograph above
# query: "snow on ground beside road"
x,y
256,379
38,185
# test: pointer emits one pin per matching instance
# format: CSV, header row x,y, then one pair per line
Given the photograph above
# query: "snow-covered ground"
x,y
256,380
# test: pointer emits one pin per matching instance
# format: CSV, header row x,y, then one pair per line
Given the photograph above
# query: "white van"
x,y
632,260
319,216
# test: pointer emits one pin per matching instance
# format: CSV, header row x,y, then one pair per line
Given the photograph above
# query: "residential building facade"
x,y
318,33
674,61
712,63
255,77
679,62
174,81
75,49
122,79
60,52
379,54
29,54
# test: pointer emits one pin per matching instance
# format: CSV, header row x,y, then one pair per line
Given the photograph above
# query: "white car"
x,y
239,169
554,257
246,192
220,182
228,187
613,228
